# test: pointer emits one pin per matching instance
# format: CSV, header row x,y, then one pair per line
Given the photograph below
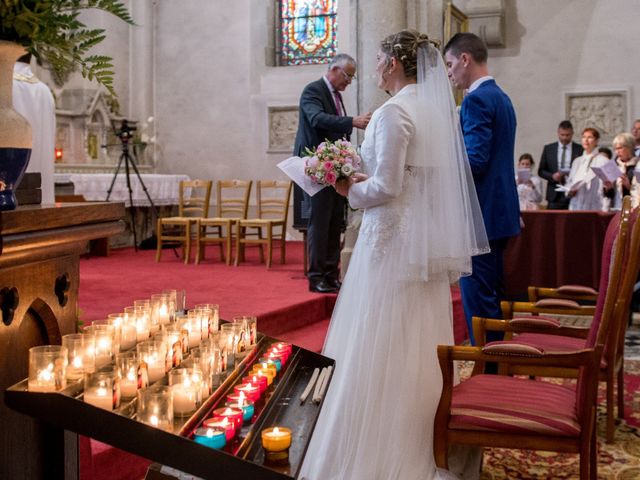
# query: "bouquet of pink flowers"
x,y
331,161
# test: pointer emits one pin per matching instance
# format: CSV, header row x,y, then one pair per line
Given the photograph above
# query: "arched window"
x,y
307,31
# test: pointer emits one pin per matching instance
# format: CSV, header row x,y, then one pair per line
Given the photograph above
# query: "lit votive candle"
x,y
276,442
102,389
259,380
228,426
233,414
244,404
258,370
153,353
210,437
273,359
186,384
82,354
47,368
266,367
252,392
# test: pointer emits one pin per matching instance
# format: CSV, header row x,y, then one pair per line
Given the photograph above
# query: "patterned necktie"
x,y
338,99
563,158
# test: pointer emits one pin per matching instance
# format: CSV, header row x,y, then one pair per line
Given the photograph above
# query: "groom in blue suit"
x,y
489,128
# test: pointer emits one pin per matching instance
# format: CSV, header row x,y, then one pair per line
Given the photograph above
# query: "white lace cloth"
x,y
163,189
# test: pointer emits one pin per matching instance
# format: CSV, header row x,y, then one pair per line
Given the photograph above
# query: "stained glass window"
x,y
307,31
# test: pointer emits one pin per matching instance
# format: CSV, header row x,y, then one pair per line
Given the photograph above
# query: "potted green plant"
x,y
52,31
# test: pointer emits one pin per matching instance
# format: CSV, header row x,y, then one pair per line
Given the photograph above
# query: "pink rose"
x,y
330,178
328,166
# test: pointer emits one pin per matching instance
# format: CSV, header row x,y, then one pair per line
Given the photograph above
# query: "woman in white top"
x,y
585,188
529,189
421,224
627,183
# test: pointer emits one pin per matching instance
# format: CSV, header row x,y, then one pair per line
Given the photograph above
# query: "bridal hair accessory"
x,y
331,161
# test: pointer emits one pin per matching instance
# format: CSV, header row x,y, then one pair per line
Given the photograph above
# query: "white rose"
x,y
347,170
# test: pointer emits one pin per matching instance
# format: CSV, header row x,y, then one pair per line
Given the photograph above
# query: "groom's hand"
x,y
361,121
359,177
342,186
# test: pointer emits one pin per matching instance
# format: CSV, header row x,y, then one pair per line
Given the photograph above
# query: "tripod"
x,y
124,135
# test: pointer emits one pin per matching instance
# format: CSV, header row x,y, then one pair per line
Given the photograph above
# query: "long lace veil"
x,y
447,226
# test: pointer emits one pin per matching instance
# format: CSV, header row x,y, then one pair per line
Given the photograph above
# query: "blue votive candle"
x,y
272,361
210,437
247,408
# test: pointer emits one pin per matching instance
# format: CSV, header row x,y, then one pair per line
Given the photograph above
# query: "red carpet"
x,y
279,297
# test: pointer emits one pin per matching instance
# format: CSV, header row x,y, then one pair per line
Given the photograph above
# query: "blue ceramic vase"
x,y
15,131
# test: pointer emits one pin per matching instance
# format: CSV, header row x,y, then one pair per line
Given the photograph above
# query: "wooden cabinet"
x,y
40,247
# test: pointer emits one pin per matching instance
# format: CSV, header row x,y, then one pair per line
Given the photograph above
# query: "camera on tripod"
x,y
125,132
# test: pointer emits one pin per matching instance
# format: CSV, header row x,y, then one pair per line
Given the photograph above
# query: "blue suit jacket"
x,y
489,126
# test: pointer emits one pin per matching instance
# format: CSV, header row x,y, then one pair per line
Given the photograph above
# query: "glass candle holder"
x,y
162,311
241,402
214,318
128,334
186,385
47,368
210,437
276,442
155,407
252,392
177,339
226,355
193,325
81,351
257,369
224,423
259,380
272,359
233,414
152,355
105,342
102,389
250,326
177,299
131,376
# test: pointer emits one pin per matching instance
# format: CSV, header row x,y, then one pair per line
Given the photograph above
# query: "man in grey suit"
x,y
322,116
555,164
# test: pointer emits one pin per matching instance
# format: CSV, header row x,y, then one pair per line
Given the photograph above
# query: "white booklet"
x,y
608,172
524,175
294,168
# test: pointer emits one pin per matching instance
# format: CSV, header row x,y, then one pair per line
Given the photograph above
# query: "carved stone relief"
x,y
605,111
283,125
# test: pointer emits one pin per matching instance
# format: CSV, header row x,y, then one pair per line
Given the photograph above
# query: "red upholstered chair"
x,y
620,264
508,412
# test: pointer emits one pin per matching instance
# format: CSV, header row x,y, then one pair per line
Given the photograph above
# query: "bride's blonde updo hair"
x,y
404,47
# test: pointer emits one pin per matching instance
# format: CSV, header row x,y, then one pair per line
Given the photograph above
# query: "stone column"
x,y
141,69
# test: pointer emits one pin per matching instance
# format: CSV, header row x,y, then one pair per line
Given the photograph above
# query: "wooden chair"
x,y
232,204
273,210
194,196
607,327
509,412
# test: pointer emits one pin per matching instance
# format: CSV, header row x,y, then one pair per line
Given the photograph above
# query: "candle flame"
x,y
225,421
77,362
154,420
102,392
276,431
241,399
228,411
209,432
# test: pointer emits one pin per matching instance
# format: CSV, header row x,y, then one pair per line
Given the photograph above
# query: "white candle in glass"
x,y
129,383
45,381
99,397
184,399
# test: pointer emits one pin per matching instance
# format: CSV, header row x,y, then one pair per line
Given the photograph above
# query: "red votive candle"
x,y
233,414
228,425
259,380
252,392
282,347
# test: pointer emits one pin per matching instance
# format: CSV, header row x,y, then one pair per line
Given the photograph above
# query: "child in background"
x,y
529,185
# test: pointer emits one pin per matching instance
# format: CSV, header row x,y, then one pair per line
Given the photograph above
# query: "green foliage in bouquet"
x,y
52,32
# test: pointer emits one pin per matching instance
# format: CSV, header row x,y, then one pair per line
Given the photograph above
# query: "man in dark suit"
x,y
555,164
322,117
489,127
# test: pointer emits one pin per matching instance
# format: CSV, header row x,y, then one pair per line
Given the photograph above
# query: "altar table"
x,y
556,247
162,188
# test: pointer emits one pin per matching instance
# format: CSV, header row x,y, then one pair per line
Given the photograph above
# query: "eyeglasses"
x,y
349,76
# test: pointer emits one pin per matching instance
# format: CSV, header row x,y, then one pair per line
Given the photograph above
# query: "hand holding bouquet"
x,y
331,161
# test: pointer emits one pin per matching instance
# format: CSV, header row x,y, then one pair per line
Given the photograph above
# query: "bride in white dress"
x,y
421,224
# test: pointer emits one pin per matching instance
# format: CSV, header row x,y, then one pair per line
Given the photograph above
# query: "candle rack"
x,y
241,458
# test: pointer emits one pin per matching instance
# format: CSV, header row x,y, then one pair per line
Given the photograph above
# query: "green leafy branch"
x,y
52,32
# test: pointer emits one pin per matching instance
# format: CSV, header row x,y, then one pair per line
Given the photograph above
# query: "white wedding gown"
x,y
377,419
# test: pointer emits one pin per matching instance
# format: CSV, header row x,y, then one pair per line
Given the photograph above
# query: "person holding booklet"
x,y
584,184
628,182
529,185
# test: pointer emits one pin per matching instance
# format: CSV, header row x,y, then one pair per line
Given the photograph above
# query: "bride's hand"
x,y
359,177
